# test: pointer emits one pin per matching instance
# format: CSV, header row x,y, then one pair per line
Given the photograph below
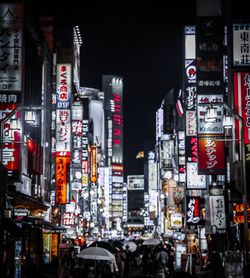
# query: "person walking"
x,y
159,271
64,268
162,257
106,272
120,260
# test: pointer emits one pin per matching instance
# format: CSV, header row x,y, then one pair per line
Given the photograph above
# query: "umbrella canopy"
x,y
118,244
96,253
151,241
131,245
103,244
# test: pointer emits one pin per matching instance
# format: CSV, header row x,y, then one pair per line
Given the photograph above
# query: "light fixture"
x,y
227,121
211,114
15,124
31,117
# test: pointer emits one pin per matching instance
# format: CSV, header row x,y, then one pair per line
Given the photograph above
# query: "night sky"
x,y
141,41
143,44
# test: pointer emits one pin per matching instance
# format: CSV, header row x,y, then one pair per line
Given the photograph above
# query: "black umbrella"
x,y
118,244
104,244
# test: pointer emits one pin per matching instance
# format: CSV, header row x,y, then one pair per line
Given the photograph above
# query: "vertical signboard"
x,y
241,44
211,156
217,212
241,103
76,157
194,180
62,164
209,55
11,40
113,90
93,164
63,132
117,152
11,46
63,86
193,210
11,145
159,124
181,155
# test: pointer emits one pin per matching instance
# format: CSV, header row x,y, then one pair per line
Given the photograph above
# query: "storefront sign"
x,y
215,126
176,220
194,180
211,156
193,210
217,211
63,132
241,44
63,85
62,164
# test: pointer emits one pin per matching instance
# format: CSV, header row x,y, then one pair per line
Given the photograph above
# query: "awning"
x,y
51,228
47,226
25,201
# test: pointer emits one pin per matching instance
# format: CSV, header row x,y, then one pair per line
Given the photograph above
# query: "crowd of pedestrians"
x,y
154,261
150,261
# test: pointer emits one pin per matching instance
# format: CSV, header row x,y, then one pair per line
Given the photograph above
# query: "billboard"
x,y
135,182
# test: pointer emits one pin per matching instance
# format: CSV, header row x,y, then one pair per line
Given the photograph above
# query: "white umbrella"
x,y
96,253
131,245
151,241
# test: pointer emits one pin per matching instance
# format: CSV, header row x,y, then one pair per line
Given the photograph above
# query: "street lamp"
x,y
243,164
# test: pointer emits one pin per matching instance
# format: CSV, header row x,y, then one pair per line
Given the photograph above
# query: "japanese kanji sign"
x,y
63,131
217,211
241,44
61,179
211,156
193,210
11,47
63,86
242,103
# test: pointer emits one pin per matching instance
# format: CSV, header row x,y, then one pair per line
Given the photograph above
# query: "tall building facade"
x,y
112,87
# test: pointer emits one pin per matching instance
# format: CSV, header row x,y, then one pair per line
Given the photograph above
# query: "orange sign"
x,y
93,164
61,179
